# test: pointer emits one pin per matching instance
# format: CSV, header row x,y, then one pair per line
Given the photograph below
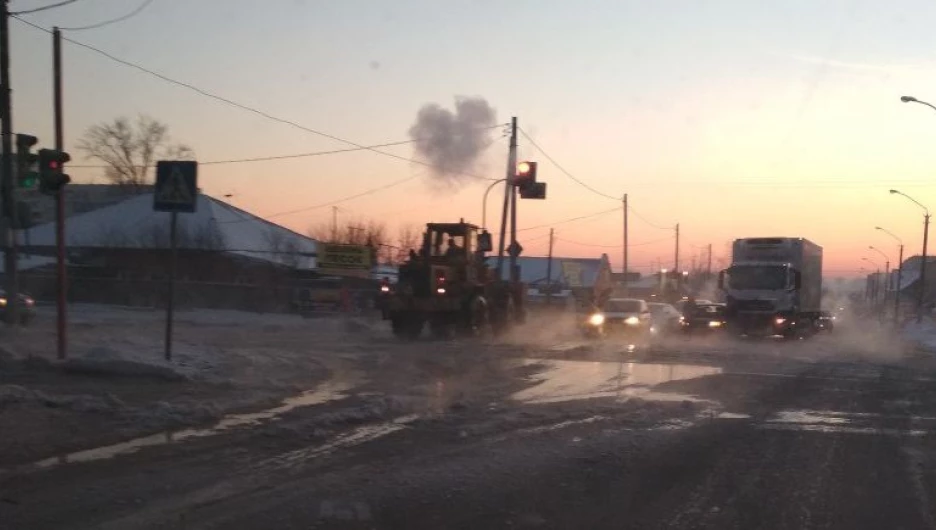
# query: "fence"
x,y
287,297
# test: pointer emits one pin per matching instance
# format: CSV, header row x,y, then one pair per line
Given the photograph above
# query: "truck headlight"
x,y
385,288
714,324
632,321
779,321
596,320
440,290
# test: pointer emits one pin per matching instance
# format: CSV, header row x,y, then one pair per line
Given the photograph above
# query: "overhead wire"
x,y
563,170
571,219
250,109
129,15
43,8
640,244
268,158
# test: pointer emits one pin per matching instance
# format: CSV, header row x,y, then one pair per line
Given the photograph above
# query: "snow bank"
x,y
102,360
922,334
14,394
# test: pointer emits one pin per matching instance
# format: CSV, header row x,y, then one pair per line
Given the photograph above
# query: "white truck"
x,y
773,286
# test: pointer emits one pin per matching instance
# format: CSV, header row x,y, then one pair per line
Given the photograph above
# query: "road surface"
x,y
740,436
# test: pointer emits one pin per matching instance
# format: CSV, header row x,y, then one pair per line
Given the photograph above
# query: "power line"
x,y
131,14
563,170
267,158
331,203
248,108
43,8
641,244
644,219
571,219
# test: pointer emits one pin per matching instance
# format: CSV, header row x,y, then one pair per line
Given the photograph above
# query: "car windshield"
x,y
623,306
760,277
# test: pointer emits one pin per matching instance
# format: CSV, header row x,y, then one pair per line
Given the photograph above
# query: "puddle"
x,y
577,380
732,416
328,391
356,436
809,417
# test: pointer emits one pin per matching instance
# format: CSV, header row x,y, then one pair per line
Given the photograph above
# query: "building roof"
x,y
215,225
570,272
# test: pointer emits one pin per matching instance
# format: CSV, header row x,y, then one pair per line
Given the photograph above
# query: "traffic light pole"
x,y
6,181
624,267
62,279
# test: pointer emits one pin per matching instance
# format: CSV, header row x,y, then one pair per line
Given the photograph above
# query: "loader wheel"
x,y
406,326
477,320
441,327
503,318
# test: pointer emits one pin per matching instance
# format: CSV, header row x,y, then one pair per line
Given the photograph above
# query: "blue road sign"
x,y
176,186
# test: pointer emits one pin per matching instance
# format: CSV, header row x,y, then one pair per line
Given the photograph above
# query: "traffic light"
x,y
526,181
525,175
51,171
26,170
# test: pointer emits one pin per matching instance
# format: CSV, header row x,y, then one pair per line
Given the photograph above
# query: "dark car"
x,y
27,308
666,318
826,321
628,316
706,318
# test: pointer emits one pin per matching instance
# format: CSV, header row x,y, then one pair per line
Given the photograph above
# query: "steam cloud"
x,y
453,141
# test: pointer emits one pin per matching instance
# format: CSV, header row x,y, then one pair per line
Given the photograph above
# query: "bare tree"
x,y
130,149
372,233
408,238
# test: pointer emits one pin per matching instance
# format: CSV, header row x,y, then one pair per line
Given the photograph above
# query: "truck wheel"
x,y
503,318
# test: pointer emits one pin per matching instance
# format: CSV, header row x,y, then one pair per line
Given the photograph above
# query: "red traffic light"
x,y
526,173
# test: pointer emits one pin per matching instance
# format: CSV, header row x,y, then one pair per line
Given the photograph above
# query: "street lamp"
x,y
911,99
886,269
484,202
926,220
873,287
896,289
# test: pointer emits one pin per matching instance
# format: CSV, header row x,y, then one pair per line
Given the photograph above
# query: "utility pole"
x,y
334,234
708,268
7,180
62,278
676,259
624,268
922,296
509,191
514,278
549,269
897,288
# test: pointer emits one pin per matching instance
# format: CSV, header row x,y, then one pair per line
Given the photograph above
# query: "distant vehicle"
x,y
680,305
826,321
628,316
706,318
666,319
773,286
27,308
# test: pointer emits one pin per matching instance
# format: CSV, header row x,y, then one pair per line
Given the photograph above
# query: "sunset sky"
x,y
731,118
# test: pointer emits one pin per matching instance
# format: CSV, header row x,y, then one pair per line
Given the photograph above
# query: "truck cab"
x,y
773,286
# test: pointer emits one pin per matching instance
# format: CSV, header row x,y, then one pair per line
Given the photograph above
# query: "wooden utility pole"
x,y
676,258
334,234
7,181
549,268
708,268
624,266
61,268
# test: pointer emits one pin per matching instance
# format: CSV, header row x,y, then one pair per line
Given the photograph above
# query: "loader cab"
x,y
455,240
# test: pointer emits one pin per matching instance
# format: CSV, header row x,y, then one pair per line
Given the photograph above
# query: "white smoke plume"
x,y
452,142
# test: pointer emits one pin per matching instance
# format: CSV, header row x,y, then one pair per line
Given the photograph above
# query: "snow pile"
x,y
140,362
923,334
16,395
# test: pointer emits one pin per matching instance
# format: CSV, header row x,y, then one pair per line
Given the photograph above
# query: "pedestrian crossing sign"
x,y
176,186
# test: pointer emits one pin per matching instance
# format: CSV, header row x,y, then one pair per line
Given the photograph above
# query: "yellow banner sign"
x,y
344,257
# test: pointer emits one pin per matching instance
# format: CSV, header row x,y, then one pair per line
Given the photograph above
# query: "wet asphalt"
x,y
567,435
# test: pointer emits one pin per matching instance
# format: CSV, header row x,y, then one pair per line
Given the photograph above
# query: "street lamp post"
x,y
484,202
874,285
896,288
926,221
886,274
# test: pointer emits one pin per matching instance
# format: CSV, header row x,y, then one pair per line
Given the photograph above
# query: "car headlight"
x,y
632,321
384,289
3,302
596,320
779,320
714,324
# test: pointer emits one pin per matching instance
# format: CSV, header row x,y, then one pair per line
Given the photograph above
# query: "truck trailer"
x,y
773,286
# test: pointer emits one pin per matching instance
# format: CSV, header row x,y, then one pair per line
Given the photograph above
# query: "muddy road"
x,y
813,434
